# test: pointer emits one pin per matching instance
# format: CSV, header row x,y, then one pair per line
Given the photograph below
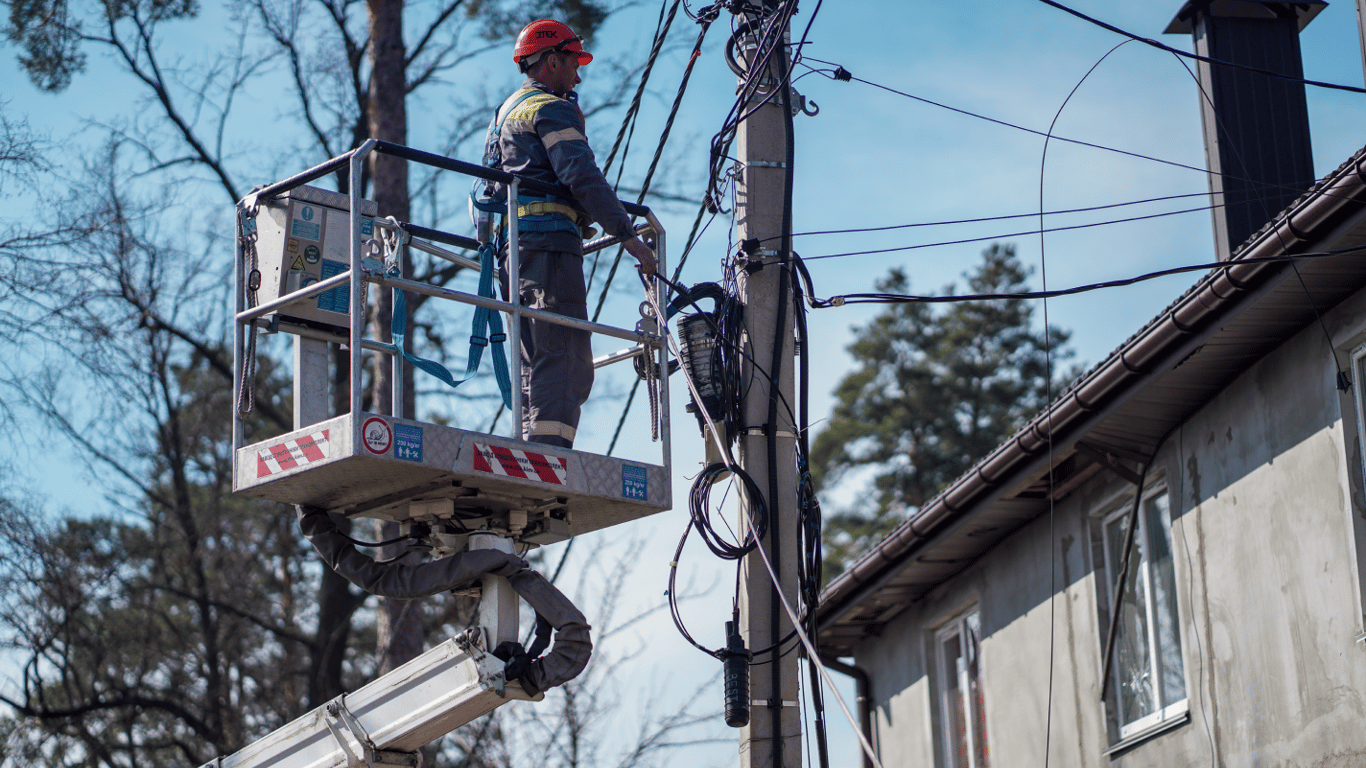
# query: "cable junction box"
x,y
304,236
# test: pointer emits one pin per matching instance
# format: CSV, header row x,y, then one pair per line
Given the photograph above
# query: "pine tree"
x,y
933,393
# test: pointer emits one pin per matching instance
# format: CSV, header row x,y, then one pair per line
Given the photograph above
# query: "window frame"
x,y
960,627
1117,509
1354,434
1358,357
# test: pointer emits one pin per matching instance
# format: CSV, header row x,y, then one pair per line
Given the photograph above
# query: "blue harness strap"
x,y
487,329
481,193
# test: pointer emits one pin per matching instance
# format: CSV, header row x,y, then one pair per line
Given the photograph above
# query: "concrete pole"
x,y
1361,31
774,711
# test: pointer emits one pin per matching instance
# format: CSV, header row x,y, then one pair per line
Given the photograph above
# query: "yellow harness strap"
x,y
546,206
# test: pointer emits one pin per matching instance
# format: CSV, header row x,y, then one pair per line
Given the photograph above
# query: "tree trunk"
x,y
400,625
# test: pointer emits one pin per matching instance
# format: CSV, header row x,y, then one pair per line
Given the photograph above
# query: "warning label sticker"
x,y
338,299
307,230
634,483
408,442
514,462
293,453
376,435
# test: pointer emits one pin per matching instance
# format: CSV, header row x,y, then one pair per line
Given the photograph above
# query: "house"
x,y
1168,566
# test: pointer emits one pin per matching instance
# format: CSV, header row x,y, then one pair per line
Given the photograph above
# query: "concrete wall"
x,y
1265,535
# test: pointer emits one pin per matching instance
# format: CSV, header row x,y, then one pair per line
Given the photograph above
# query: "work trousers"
x,y
557,362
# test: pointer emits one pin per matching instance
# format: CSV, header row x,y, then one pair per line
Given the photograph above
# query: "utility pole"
x,y
773,737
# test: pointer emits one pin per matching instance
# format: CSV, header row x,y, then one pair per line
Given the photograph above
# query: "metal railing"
x,y
247,319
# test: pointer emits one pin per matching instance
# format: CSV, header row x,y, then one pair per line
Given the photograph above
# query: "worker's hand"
x,y
637,248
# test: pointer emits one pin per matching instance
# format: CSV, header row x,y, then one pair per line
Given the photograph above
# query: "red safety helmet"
x,y
539,36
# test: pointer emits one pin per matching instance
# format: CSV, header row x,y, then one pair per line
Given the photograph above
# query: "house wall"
x,y
1265,537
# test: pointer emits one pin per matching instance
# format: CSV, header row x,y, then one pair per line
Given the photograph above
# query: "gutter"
x,y
1199,312
863,693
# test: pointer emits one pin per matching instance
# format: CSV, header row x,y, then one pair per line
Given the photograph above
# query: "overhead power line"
x,y
1197,57
843,75
897,298
1007,236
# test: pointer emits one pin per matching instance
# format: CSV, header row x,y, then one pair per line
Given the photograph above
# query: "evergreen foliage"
x,y
932,393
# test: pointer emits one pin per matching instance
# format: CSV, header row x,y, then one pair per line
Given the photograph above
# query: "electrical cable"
x,y
766,42
1009,216
1207,172
895,298
1190,588
825,676
1198,57
1048,384
662,27
780,338
378,544
659,152
1008,235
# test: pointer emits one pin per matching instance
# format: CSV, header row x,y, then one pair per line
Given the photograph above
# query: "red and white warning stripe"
x,y
514,462
292,453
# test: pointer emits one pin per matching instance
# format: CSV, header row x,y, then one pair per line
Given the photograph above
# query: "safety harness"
x,y
544,213
487,330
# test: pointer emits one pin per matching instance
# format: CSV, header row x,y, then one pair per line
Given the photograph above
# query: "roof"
x,y
1120,409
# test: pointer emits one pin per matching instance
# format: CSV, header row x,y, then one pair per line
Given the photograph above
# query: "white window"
x,y
1148,682
962,707
1354,433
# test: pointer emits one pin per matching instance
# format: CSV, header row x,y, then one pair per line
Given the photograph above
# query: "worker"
x,y
538,133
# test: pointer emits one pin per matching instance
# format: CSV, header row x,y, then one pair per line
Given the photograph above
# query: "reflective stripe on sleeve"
x,y
567,134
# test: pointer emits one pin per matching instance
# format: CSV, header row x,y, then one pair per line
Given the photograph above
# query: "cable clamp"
x,y
765,164
771,703
763,432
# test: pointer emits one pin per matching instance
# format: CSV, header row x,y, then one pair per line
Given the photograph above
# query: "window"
x,y
1148,680
1353,404
962,708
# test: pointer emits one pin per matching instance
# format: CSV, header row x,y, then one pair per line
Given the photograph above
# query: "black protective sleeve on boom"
x,y
396,580
572,646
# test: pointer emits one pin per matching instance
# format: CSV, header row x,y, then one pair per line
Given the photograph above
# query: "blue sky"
x,y
872,158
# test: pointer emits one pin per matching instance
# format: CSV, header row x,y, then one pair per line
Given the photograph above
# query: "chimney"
x,y
1256,127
